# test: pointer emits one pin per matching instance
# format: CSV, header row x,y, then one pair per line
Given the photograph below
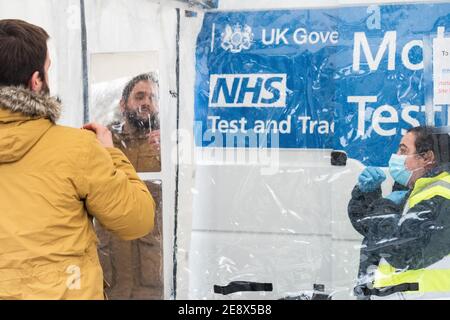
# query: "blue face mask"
x,y
398,170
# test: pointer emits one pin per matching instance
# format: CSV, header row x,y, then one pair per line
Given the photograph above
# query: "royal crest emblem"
x,y
237,38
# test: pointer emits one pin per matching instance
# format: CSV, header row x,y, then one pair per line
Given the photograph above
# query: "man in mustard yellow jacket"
x,y
53,181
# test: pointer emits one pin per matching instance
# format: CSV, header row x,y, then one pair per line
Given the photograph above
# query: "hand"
x,y
397,196
370,179
154,139
103,134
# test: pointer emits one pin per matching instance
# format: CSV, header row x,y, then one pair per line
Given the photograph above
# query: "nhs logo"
x,y
248,90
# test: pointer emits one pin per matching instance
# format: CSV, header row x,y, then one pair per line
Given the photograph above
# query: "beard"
x,y
137,122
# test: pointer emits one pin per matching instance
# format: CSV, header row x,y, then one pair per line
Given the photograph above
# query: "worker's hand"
x,y
370,179
102,132
397,196
154,139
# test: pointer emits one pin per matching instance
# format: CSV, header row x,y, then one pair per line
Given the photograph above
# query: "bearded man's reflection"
x,y
138,134
133,269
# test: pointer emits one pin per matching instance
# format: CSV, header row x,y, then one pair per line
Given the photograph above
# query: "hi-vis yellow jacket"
x,y
53,181
432,279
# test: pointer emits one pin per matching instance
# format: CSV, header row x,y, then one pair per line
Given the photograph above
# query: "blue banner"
x,y
349,79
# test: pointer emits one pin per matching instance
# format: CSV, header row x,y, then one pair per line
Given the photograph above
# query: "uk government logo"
x,y
237,38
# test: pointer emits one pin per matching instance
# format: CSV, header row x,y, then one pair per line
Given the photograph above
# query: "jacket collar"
x,y
28,103
444,167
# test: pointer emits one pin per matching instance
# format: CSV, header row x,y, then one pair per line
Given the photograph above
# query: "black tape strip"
x,y
241,286
84,58
385,291
175,238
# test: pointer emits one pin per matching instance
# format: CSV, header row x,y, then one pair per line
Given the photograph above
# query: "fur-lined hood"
x,y
24,118
18,99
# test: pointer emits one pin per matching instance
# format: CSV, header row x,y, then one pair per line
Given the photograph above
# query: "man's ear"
x,y
429,157
122,105
35,83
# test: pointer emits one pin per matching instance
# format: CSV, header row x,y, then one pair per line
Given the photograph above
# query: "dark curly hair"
x,y
133,82
432,139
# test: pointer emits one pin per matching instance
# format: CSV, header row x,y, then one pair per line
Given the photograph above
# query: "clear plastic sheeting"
x,y
126,99
256,232
129,107
330,92
133,269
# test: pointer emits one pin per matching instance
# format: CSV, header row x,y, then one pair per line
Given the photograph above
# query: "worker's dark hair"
x,y
133,82
432,139
424,138
23,51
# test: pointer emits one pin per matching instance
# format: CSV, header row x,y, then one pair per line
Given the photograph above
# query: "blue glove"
x,y
397,196
370,179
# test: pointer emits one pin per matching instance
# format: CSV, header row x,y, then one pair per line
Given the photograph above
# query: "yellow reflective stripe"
x,y
423,182
437,190
434,280
427,188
